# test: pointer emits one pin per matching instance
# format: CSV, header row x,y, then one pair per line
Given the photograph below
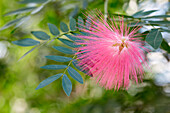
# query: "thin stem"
x,y
69,64
151,25
105,9
38,46
58,37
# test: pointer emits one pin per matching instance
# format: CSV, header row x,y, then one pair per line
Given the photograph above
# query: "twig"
x,y
105,9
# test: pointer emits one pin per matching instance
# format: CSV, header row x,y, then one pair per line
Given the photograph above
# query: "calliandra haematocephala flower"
x,y
111,52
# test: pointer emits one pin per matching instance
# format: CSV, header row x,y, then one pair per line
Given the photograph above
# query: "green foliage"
x,y
32,1
54,67
20,11
48,80
75,63
53,29
158,16
41,35
11,23
73,24
159,22
64,27
59,58
67,85
88,22
75,75
44,36
154,38
64,50
143,13
68,43
165,46
28,52
73,38
26,42
80,22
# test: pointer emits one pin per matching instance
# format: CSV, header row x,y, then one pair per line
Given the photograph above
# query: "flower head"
x,y
111,52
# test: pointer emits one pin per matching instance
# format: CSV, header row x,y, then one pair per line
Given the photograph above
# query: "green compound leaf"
x,y
26,42
32,1
159,22
48,81
88,22
38,9
67,85
137,13
136,24
80,22
11,23
154,38
75,64
73,38
41,35
75,75
54,67
22,21
158,16
64,27
149,23
87,34
64,50
148,12
73,24
142,13
165,30
20,11
59,58
68,43
53,29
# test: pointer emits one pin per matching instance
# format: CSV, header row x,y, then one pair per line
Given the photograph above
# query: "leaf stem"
x,y
59,36
69,64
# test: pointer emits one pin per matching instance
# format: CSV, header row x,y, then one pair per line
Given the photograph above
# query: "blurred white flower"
x,y
3,50
160,67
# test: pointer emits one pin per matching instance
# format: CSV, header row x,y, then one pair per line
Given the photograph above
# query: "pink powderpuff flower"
x,y
111,52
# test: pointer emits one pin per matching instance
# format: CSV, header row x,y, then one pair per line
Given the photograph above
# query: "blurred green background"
x,y
18,80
